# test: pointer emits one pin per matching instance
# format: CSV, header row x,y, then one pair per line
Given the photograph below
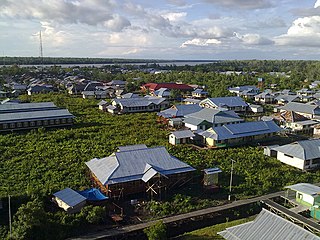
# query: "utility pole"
x,y
10,221
230,187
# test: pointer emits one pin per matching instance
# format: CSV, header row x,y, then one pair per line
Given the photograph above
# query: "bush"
x,y
158,231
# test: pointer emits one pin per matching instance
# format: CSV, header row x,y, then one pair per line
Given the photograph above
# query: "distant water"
x,y
178,63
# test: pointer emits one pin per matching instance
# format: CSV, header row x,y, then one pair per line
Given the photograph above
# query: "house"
x,y
97,94
181,137
208,117
307,110
200,93
240,133
314,84
304,154
103,105
39,89
69,200
162,92
245,91
305,92
152,87
304,193
118,84
130,95
264,98
236,104
141,104
76,88
191,101
179,110
137,169
283,99
294,122
33,115
267,226
256,108
3,94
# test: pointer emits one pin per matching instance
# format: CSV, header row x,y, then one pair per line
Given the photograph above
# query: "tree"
x,y
28,219
158,231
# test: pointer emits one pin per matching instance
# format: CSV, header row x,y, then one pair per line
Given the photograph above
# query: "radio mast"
x,y
41,51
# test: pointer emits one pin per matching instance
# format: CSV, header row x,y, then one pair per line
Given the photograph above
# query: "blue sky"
x,y
162,29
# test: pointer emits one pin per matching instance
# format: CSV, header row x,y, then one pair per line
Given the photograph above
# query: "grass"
x,y
212,231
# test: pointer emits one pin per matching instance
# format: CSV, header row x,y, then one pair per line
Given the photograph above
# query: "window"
x,y
39,123
316,161
32,124
51,122
5,126
19,124
57,121
45,122
307,162
12,125
69,120
26,124
63,120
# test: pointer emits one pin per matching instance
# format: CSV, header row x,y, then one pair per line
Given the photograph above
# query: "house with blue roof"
x,y
245,91
236,104
138,169
179,110
162,92
240,133
138,104
200,93
208,117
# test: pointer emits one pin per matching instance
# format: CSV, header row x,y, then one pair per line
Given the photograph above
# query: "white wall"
x,y
306,198
191,127
295,162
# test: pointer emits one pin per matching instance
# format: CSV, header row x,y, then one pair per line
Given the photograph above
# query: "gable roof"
x,y
244,129
200,91
125,166
286,98
243,88
156,86
139,101
180,110
267,226
306,149
212,116
301,107
27,107
226,101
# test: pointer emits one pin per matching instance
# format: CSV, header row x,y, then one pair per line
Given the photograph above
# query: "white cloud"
x,y
303,32
200,42
253,39
174,16
317,4
242,4
117,23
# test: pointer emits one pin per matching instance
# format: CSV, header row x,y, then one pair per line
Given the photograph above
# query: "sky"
x,y
162,29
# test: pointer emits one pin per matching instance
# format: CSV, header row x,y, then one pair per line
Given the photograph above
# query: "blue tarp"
x,y
93,194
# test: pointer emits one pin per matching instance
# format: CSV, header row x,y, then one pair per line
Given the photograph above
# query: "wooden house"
x,y
137,169
69,200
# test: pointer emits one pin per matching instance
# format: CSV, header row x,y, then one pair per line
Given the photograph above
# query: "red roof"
x,y
156,86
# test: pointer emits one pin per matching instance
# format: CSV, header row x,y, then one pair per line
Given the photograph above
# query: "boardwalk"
x,y
110,233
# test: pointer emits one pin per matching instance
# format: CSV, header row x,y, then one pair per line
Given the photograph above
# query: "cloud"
x,y
90,12
303,32
253,39
117,23
174,16
317,4
242,4
200,42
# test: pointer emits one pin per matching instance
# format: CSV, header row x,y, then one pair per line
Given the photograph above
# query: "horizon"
x,y
162,30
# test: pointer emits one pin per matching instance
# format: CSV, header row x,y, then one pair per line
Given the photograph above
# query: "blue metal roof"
x,y
132,147
70,197
200,91
139,101
180,110
36,115
244,129
26,107
127,166
183,134
228,101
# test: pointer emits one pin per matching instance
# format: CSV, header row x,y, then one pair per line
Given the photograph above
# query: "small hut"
x,y
70,200
211,179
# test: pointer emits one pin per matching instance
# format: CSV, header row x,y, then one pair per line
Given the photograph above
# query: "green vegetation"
x,y
37,163
156,231
212,232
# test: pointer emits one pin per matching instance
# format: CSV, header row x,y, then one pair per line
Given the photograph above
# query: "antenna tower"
x,y
41,50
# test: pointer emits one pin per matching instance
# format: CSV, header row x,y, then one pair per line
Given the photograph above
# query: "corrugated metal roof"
x,y
306,188
70,197
26,107
212,116
149,174
244,129
301,107
212,170
127,166
183,134
36,115
132,147
139,101
180,110
306,149
268,226
227,101
286,97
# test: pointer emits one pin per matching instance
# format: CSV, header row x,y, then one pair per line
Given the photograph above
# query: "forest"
x,y
34,164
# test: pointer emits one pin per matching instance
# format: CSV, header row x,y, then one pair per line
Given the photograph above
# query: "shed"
x,y
70,200
305,193
256,108
211,178
180,137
